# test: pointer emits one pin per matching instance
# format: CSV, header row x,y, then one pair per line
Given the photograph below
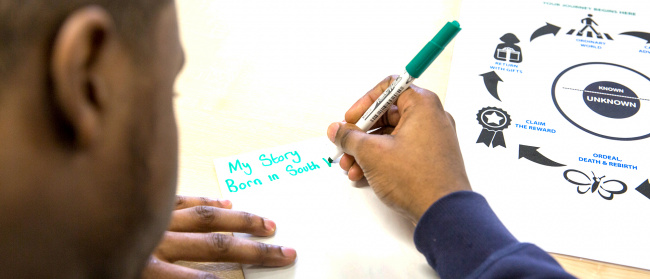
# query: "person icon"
x,y
508,50
588,21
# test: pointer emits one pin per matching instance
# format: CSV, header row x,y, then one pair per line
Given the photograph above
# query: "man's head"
x,y
88,151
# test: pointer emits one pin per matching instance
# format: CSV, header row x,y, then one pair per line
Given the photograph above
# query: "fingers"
x,y
348,137
216,247
418,107
418,97
389,118
347,163
392,117
157,269
355,173
187,202
358,146
212,219
357,143
359,108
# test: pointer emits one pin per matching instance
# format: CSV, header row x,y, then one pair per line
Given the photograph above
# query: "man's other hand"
x,y
192,237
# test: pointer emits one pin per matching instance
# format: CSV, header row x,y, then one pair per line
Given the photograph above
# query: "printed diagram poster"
x,y
552,105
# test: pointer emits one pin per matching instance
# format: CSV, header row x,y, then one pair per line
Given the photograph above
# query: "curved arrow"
x,y
548,29
531,153
640,35
491,81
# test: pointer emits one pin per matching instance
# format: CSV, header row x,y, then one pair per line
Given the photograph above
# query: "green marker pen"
x,y
414,70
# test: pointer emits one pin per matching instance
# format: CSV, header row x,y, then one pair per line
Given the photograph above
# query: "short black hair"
x,y
27,22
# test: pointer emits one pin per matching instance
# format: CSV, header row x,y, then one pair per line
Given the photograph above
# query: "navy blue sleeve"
x,y
461,237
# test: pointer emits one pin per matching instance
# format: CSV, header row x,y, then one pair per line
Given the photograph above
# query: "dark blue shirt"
x,y
461,237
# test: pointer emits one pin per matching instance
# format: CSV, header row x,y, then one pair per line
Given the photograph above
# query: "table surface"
x,y
282,71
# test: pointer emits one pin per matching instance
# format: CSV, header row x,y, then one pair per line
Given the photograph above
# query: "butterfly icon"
x,y
606,189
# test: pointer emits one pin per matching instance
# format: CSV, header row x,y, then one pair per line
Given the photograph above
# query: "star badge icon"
x,y
494,118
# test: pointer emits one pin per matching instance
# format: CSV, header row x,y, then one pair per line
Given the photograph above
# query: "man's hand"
x,y
413,159
191,237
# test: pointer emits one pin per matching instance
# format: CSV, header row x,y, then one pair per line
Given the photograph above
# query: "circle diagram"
x,y
604,99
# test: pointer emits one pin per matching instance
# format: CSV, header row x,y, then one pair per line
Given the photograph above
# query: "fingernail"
x,y
269,225
288,252
331,131
226,203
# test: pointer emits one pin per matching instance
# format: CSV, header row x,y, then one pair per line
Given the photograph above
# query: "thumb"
x,y
348,137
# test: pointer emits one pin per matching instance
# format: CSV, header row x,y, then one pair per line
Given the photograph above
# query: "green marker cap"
x,y
430,52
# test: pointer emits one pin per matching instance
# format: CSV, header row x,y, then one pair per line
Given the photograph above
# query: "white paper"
x,y
537,200
339,229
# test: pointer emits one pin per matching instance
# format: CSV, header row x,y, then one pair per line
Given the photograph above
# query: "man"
x,y
89,148
89,156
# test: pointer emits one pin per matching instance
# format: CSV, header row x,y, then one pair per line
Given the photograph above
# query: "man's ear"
x,y
79,85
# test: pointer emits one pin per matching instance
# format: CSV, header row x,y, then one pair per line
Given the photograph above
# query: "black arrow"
x,y
644,189
640,35
531,153
491,80
548,29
